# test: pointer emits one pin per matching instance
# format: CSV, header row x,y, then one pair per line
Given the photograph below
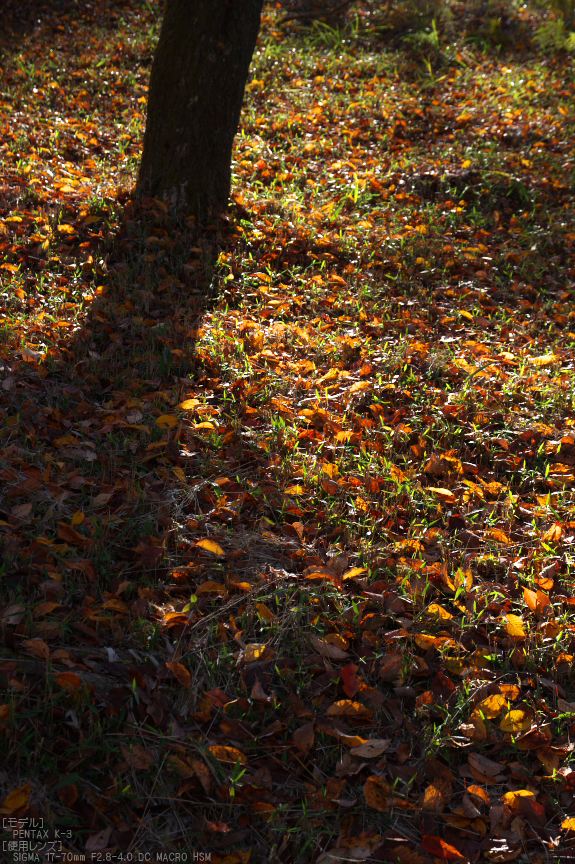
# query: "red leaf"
x,y
350,680
437,846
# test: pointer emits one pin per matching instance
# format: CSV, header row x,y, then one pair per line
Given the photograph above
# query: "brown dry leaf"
x,y
510,691
136,756
371,749
475,729
69,535
304,737
348,708
377,793
551,759
116,606
484,765
22,511
211,587
45,608
68,795
326,650
265,612
68,680
181,673
433,800
228,754
210,546
16,799
391,666
37,647
478,793
5,713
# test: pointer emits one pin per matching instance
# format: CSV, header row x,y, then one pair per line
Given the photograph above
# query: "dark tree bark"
x,y
197,86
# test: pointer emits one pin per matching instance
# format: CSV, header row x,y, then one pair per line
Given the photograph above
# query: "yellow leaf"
x,y
210,546
442,494
167,421
544,360
436,609
188,404
66,229
77,518
257,651
515,627
205,425
491,706
568,824
295,490
16,799
330,469
517,720
355,571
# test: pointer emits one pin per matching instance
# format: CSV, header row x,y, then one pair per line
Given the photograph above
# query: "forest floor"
x,y
286,505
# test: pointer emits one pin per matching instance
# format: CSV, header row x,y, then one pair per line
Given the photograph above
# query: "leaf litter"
x,y
286,503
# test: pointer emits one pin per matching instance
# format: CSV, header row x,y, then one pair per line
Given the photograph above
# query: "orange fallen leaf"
x,y
228,754
377,793
210,546
68,680
348,708
437,846
181,673
37,647
16,799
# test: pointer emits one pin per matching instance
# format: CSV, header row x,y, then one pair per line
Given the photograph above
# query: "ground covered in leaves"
x,y
286,506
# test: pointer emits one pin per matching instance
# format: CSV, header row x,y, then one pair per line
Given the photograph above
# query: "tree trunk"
x,y
197,86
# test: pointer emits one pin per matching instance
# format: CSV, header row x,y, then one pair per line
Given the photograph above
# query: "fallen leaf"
x,y
181,673
347,708
371,749
210,546
16,799
136,756
228,754
327,650
304,737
